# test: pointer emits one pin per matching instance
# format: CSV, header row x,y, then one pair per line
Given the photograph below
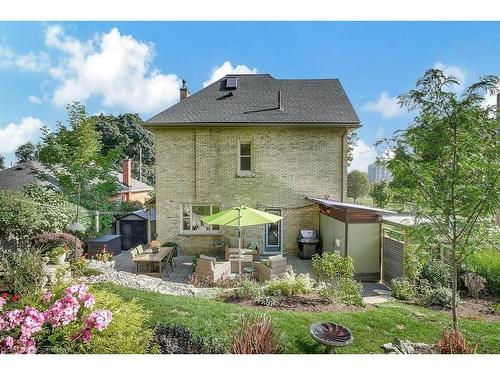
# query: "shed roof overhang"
x,y
350,213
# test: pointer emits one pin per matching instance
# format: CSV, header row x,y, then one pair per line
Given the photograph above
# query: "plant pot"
x,y
60,259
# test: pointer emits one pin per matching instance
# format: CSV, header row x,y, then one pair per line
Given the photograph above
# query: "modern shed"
x,y
136,228
359,232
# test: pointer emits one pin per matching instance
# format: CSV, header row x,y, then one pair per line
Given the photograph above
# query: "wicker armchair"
x,y
207,268
274,266
232,248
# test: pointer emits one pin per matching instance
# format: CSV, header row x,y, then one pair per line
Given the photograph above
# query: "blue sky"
x,y
119,67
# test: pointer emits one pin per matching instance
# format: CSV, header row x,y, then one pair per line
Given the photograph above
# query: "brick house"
x,y
253,140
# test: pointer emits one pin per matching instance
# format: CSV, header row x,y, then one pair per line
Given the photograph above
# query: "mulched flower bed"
x,y
305,303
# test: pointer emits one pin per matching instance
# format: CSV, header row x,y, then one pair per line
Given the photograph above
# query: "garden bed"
x,y
474,309
302,303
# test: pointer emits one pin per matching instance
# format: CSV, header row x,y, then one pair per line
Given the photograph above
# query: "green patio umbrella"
x,y
240,216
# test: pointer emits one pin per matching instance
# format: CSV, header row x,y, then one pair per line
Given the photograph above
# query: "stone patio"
x,y
183,269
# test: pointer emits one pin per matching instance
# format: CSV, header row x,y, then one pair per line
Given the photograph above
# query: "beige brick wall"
x,y
199,165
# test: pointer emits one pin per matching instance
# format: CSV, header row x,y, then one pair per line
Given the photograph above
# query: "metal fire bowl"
x,y
331,335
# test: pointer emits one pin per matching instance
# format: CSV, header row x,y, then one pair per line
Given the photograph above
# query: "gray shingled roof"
x,y
136,185
17,177
255,100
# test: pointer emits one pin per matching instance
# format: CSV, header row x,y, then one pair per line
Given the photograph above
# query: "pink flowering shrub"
x,y
20,328
53,239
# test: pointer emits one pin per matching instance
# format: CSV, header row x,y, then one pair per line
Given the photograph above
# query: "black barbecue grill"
x,y
308,243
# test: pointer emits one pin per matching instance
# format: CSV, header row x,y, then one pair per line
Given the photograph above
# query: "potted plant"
x,y
57,255
155,246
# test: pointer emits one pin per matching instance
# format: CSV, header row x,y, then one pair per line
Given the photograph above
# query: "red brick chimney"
x,y
184,92
127,172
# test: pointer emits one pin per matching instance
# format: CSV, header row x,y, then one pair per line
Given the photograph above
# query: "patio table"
x,y
149,257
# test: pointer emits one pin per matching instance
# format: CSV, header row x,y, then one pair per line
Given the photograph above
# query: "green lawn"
x,y
370,328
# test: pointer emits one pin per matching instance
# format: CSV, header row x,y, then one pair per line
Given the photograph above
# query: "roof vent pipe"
x,y
279,101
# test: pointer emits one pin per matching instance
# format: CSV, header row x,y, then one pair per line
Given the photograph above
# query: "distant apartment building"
x,y
378,173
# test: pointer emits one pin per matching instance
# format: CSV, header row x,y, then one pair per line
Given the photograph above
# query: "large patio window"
x,y
191,215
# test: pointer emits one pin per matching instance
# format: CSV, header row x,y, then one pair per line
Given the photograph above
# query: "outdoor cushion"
x,y
272,258
140,249
133,252
212,259
252,245
233,242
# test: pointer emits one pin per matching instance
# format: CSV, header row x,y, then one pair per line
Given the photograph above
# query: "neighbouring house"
x,y
17,177
254,140
23,174
130,189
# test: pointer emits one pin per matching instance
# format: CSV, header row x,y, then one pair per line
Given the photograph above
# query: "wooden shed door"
x,y
393,259
133,233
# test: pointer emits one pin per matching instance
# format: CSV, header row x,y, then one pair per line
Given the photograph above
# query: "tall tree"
x,y
26,152
73,154
127,132
357,184
446,164
381,194
2,163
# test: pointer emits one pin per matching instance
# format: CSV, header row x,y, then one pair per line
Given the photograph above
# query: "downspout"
x,y
195,168
344,167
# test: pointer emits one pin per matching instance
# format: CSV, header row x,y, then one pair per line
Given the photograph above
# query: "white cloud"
x,y
115,67
32,61
386,105
227,68
14,135
34,99
455,71
363,155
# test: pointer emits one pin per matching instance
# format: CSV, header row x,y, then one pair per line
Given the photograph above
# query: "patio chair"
x,y
169,259
273,266
138,250
232,248
207,268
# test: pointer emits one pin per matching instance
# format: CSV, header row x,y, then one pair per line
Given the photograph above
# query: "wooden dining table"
x,y
149,257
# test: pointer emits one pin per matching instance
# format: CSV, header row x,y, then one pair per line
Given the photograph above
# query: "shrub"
x,y
60,323
486,263
347,291
453,342
474,283
247,289
402,289
52,239
24,271
268,301
127,333
494,308
437,273
255,336
176,339
440,297
290,284
331,266
79,267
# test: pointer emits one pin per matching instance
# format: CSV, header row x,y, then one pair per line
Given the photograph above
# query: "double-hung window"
x,y
191,215
245,162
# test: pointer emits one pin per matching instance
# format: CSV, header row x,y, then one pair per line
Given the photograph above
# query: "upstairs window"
x,y
245,157
191,215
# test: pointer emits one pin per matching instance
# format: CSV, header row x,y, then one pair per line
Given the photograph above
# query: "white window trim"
x,y
185,232
245,173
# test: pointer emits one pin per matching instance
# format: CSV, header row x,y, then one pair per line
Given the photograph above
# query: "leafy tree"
x,y
2,163
20,218
127,132
352,139
381,194
357,184
73,155
27,152
446,163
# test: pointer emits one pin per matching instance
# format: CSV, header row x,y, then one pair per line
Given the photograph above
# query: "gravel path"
x,y
144,282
